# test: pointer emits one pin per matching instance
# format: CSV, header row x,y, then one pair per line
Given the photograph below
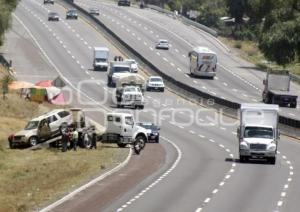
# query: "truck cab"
x,y
101,56
122,129
258,133
117,69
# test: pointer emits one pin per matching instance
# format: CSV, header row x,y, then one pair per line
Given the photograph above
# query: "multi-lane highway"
x,y
202,172
237,80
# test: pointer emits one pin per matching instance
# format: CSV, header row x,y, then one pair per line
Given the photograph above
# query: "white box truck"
x,y
203,62
101,55
258,132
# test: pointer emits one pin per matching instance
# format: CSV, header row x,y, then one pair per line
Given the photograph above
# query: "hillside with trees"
x,y
273,24
6,8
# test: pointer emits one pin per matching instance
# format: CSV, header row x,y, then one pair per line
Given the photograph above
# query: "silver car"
x,y
155,83
162,44
53,16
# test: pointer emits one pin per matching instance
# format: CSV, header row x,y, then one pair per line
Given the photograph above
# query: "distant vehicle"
x,y
203,62
133,65
152,131
162,44
94,11
48,1
124,3
116,70
277,89
258,132
155,83
42,128
122,130
53,16
72,14
101,56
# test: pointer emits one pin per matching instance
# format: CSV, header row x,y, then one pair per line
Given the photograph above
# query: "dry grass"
x,y
30,178
250,52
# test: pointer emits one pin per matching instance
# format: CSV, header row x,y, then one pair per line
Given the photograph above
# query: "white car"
x,y
42,128
155,83
162,44
133,65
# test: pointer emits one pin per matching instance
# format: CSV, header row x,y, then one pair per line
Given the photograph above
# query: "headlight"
x,y
243,145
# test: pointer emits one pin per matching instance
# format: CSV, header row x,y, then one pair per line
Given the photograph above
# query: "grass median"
x,y
32,178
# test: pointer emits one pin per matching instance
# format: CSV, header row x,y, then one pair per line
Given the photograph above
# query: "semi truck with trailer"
x,y
258,132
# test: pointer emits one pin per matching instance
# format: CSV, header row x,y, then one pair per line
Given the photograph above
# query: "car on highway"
x,y
133,65
72,14
155,83
124,3
94,11
152,131
53,16
48,1
162,44
41,128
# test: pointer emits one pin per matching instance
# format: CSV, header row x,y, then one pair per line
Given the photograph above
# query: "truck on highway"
x,y
277,89
122,130
101,55
116,70
129,91
258,133
203,62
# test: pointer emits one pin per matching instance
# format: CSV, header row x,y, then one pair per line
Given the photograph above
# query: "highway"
x,y
237,80
202,171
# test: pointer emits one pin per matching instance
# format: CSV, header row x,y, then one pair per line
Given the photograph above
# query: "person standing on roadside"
x,y
65,140
75,139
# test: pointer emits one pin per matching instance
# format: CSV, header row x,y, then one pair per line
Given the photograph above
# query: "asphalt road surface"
x,y
201,170
237,80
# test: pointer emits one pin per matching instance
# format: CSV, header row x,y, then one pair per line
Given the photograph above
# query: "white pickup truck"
x,y
122,130
258,132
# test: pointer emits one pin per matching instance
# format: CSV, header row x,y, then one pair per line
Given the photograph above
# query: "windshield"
x,y
258,132
148,126
130,89
32,125
121,69
99,60
155,79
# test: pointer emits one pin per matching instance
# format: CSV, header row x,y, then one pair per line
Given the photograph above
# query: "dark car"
x,y
53,16
94,11
124,3
48,1
71,14
152,131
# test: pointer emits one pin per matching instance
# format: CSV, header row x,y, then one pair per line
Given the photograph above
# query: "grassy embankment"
x,y
250,52
30,178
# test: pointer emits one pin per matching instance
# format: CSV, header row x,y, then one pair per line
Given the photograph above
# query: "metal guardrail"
x,y
184,20
179,85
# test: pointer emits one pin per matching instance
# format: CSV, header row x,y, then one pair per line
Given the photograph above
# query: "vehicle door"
x,y
53,123
128,126
44,131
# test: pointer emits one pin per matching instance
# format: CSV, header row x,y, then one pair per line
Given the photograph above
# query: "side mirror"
x,y
238,132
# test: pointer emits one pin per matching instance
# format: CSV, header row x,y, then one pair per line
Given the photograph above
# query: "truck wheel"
x,y
157,140
33,140
272,160
243,159
121,145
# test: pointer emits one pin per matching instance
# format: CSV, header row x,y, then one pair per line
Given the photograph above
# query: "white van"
x,y
101,55
203,62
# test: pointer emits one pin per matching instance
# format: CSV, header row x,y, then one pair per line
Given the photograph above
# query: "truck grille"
x,y
261,147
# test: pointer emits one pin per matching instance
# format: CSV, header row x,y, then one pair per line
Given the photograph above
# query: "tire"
x,y
293,105
139,144
121,145
157,140
243,159
141,107
162,90
272,160
12,145
33,141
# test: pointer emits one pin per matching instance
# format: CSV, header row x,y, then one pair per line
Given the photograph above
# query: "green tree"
x,y
237,10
